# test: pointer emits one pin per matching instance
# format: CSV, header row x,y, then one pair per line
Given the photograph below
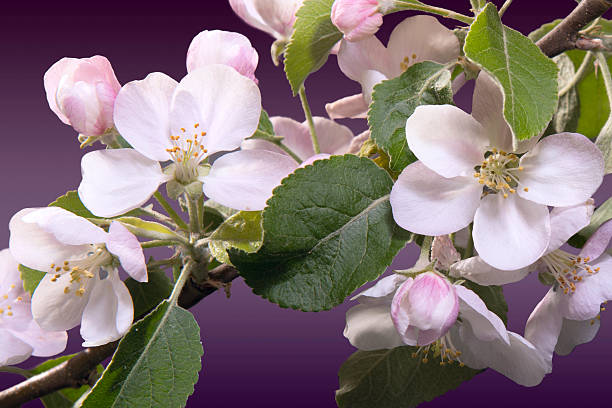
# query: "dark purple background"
x,y
255,354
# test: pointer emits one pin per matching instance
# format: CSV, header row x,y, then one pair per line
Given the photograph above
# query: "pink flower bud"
x,y
82,92
357,19
424,308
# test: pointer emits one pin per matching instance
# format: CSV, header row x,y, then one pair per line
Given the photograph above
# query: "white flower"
x,y
463,174
82,284
20,336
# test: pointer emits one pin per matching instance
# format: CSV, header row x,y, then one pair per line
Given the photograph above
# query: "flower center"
x,y
499,173
405,64
442,349
185,152
568,269
82,270
7,300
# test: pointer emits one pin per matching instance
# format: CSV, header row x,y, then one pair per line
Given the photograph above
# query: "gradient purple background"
x,y
256,354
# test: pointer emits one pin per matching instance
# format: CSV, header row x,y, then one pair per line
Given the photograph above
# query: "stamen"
x,y
568,269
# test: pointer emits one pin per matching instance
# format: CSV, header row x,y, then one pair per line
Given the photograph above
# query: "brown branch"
x,y
79,369
565,36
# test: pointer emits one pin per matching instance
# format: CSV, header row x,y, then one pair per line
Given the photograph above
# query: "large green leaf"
x,y
528,78
313,37
394,100
242,230
394,379
30,277
156,364
328,229
147,295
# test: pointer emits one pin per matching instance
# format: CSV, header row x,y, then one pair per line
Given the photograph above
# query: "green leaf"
x,y
265,129
156,364
394,100
565,118
328,229
215,214
147,295
71,202
242,231
393,378
313,37
156,229
528,78
30,277
540,32
602,214
493,296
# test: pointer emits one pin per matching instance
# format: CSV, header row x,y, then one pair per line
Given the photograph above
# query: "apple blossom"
x,y
82,92
275,17
463,174
416,39
358,19
82,283
223,47
212,109
20,335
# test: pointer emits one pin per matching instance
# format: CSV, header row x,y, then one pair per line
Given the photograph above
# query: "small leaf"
x,y
242,230
147,295
328,229
265,129
602,214
565,118
528,78
156,364
30,277
394,100
314,35
71,202
393,378
154,229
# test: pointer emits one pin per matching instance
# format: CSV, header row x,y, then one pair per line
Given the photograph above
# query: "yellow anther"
x,y
476,175
183,130
66,268
52,266
512,191
505,195
65,262
19,298
66,290
12,286
425,360
526,189
9,307
521,168
9,313
5,296
196,125
80,291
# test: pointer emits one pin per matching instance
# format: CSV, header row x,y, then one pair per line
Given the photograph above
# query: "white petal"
x,y
312,159
37,249
486,325
369,327
117,181
244,180
123,244
355,58
566,221
333,137
245,9
488,109
279,15
142,114
68,228
427,203
384,287
44,343
446,139
561,170
421,38
544,324
296,135
598,242
574,333
9,274
510,233
354,107
12,349
477,270
368,80
221,102
109,312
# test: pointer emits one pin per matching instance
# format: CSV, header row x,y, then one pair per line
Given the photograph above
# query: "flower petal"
x,y
278,14
334,138
561,170
446,139
66,227
244,180
369,327
567,221
356,58
353,107
124,245
223,47
486,325
142,114
384,287
44,343
510,233
296,135
245,9
117,181
12,349
598,242
477,270
575,332
426,203
224,105
488,109
544,324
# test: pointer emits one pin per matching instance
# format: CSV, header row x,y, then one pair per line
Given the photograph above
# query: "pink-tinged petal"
x,y
356,58
142,114
125,246
56,305
66,227
279,15
85,111
368,80
220,102
44,343
223,47
369,327
296,135
598,242
259,144
487,326
245,9
421,38
357,19
384,287
117,181
446,139
354,107
244,180
510,233
488,109
574,333
567,221
544,324
426,203
477,270
334,138
312,159
443,250
358,141
38,249
109,312
591,292
561,170
104,72
52,78
12,349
